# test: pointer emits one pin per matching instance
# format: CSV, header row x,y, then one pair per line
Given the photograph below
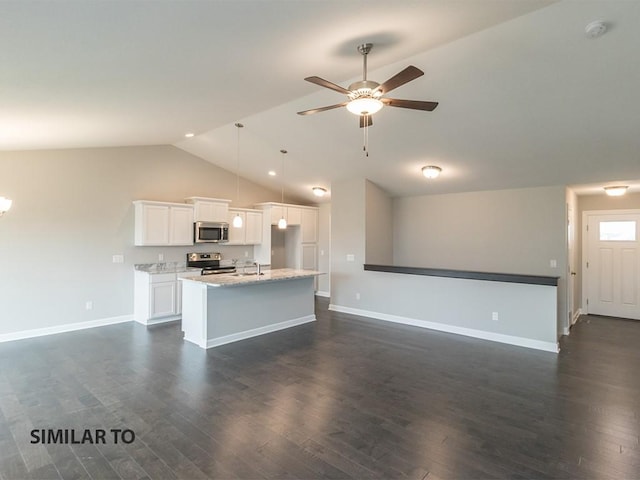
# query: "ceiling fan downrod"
x,y
364,49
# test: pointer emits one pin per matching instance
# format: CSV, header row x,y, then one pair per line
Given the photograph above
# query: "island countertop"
x,y
235,279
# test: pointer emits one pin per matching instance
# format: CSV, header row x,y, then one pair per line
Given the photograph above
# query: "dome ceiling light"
x,y
431,171
616,190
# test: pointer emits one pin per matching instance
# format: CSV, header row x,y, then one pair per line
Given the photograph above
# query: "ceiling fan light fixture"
x,y
431,171
364,106
319,191
616,190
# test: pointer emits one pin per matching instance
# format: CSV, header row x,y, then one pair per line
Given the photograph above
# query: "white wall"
x,y
72,211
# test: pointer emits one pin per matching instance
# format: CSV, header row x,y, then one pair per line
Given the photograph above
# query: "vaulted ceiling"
x,y
525,98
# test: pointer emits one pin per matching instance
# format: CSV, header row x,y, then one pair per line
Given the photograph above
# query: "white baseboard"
x,y
321,293
576,316
216,342
69,327
468,332
157,321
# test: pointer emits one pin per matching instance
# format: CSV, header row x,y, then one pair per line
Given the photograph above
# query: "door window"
x,y
618,231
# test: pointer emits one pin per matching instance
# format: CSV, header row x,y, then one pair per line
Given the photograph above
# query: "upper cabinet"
x,y
309,225
163,223
210,209
251,231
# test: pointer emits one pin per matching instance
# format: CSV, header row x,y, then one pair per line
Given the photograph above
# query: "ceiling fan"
x,y
367,97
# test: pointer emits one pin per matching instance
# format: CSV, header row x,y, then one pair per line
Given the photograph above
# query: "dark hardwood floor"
x,y
342,397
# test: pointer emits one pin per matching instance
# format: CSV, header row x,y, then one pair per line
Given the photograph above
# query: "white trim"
x,y
469,332
69,327
216,342
321,293
156,321
576,315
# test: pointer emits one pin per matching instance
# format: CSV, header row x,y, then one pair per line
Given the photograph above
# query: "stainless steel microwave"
x,y
210,232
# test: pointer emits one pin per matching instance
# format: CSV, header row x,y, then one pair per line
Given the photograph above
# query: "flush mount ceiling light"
x,y
189,135
5,205
431,171
616,190
319,191
272,173
282,223
237,220
595,29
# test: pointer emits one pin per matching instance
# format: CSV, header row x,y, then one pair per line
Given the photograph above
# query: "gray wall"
x,y
324,247
378,225
511,231
72,211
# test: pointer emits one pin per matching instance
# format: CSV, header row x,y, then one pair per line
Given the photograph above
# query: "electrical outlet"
x,y
246,253
494,316
357,296
351,257
88,305
117,259
322,253
553,263
160,257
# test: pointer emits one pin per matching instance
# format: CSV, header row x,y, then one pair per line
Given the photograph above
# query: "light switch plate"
x,y
351,257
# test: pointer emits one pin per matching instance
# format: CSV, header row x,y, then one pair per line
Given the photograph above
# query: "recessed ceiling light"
x,y
616,190
431,171
272,173
189,135
319,191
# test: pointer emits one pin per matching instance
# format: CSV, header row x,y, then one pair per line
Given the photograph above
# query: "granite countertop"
x,y
234,280
167,267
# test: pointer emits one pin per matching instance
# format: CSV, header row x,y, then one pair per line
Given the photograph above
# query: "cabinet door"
x,y
277,213
236,235
181,226
294,215
154,225
253,234
309,225
309,257
211,211
162,299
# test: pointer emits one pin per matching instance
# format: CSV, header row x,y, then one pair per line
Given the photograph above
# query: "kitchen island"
x,y
220,309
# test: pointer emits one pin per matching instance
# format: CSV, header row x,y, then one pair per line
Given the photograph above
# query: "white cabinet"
x,y
302,229
162,299
158,296
251,231
162,223
210,209
294,216
309,225
254,228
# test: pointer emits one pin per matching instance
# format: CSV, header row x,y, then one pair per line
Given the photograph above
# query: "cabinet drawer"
x,y
162,277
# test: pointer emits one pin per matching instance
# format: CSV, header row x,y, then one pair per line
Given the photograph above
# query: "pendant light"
x,y
237,220
282,223
5,205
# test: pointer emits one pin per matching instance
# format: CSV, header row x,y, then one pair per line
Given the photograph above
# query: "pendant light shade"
x,y
5,205
237,220
282,223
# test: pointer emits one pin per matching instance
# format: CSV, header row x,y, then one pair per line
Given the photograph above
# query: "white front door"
x,y
612,264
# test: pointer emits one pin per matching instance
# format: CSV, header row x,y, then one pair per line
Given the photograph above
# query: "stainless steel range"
x,y
209,263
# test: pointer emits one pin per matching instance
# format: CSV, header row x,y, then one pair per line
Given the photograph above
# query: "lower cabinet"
x,y
158,296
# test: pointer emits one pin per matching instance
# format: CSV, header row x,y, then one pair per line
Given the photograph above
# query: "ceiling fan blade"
x,y
412,104
405,76
327,84
322,109
366,121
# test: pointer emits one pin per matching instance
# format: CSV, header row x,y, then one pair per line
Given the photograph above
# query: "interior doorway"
x,y
611,263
